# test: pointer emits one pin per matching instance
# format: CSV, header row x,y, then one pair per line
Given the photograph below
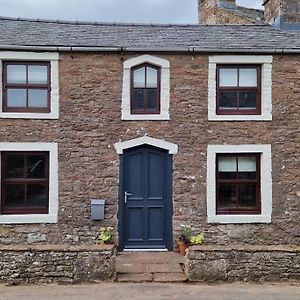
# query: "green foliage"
x,y
105,235
185,233
197,239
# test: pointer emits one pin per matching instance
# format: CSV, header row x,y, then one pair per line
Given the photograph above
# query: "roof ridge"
x,y
21,19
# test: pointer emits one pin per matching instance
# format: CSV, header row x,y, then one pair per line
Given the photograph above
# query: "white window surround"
x,y
54,96
164,88
51,217
266,86
266,184
146,140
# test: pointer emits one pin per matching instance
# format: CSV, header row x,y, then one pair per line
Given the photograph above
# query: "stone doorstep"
x,y
134,277
163,268
149,258
130,268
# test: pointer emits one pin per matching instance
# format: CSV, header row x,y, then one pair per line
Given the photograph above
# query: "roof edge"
x,y
145,50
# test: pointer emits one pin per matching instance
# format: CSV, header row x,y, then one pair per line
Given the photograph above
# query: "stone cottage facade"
x,y
169,124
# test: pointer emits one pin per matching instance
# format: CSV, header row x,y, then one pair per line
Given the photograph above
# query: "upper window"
x,y
24,182
238,183
238,89
26,87
145,89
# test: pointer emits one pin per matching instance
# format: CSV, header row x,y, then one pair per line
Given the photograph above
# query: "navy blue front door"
x,y
145,199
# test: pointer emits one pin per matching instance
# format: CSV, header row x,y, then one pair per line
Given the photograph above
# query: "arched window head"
x,y
145,89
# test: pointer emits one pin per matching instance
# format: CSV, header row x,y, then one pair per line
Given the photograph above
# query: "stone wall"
x,y
56,263
240,263
90,123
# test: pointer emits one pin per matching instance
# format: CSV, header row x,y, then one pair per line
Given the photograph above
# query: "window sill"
x,y
140,117
28,219
41,116
239,219
214,117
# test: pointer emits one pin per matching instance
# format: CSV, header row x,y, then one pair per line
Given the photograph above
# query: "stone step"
x,y
149,257
135,277
150,266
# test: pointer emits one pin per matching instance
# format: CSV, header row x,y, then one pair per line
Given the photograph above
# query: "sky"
x,y
129,11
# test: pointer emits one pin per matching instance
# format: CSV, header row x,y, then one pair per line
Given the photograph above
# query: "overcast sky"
x,y
136,11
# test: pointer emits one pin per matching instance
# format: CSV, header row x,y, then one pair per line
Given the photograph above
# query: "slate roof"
x,y
26,32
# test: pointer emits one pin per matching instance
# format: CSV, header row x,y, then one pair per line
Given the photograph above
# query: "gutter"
x,y
132,49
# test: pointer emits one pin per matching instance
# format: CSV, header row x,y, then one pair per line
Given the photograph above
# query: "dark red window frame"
x,y
238,90
26,86
23,181
145,111
237,182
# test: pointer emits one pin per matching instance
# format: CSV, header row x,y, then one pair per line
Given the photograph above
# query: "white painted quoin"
x,y
146,140
54,96
164,66
266,86
51,217
266,184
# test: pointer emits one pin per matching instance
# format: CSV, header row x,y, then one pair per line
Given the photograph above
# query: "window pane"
x,y
37,98
16,98
14,166
248,77
139,78
228,77
227,196
247,193
38,74
36,166
138,99
228,100
14,195
247,167
36,195
247,100
227,167
151,98
151,78
16,74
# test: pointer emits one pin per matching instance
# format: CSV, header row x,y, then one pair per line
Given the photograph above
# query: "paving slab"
x,y
150,291
163,268
132,277
169,277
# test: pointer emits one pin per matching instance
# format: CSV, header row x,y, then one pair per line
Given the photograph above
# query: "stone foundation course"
x,y
57,264
243,263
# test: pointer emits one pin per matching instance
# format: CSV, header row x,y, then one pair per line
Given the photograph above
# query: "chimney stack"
x,y
283,13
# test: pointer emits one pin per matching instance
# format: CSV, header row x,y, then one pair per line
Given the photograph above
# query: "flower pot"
x,y
182,247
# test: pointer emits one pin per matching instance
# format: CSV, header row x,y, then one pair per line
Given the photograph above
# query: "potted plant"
x,y
184,238
105,235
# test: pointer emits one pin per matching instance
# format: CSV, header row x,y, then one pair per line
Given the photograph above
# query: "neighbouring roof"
x,y
17,33
254,15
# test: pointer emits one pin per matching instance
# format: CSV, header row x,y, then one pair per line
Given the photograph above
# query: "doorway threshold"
x,y
146,250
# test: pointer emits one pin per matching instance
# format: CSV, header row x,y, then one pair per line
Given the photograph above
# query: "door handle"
x,y
126,195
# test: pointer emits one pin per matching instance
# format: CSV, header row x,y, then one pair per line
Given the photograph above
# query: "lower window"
x,y
24,182
238,183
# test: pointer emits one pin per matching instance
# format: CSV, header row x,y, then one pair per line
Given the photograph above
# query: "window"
x,y
29,85
24,182
145,88
26,87
238,183
29,183
238,89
